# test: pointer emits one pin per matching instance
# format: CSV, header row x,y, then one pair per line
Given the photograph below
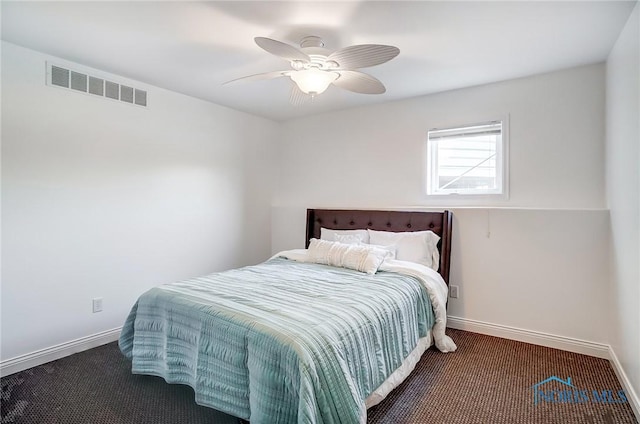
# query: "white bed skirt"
x,y
401,373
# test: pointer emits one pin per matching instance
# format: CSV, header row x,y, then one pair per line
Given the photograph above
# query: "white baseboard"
x,y
631,394
599,350
42,356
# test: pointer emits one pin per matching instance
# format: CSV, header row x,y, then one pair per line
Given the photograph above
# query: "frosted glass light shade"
x,y
313,81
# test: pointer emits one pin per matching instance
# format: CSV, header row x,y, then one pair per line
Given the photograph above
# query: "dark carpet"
x,y
488,380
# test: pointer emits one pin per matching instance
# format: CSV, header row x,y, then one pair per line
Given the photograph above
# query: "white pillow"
x,y
414,246
330,235
348,238
390,248
360,257
357,239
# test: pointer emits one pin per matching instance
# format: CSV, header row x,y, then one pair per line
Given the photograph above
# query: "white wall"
x,y
544,267
376,153
623,195
105,199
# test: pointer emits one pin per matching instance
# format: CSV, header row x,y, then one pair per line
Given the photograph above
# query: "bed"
x,y
297,339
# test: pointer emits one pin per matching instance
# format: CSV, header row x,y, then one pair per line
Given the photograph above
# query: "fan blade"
x,y
359,82
280,49
363,56
298,97
259,77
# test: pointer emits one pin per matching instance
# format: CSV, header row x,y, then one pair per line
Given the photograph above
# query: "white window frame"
x,y
472,196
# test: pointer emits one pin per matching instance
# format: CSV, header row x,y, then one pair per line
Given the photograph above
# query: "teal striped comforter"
x,y
279,342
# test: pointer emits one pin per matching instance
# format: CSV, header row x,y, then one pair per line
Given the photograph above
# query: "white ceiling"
x,y
193,47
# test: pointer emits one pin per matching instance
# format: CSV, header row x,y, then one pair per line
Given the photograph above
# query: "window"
x,y
467,160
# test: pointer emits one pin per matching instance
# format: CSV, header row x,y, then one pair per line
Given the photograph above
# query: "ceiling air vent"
x,y
60,76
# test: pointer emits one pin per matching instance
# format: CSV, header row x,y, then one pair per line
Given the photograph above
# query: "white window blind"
x,y
466,160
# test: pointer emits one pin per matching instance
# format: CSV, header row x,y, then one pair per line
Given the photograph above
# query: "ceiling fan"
x,y
314,68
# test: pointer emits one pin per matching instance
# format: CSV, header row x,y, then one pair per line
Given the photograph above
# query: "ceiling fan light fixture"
x,y
313,81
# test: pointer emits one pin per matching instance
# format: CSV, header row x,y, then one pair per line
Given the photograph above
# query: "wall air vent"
x,y
96,86
112,90
78,81
141,97
126,94
61,76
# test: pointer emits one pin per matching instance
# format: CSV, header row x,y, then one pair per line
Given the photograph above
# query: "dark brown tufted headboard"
x,y
342,219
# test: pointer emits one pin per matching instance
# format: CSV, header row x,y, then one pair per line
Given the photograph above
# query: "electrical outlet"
x,y
453,291
97,304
